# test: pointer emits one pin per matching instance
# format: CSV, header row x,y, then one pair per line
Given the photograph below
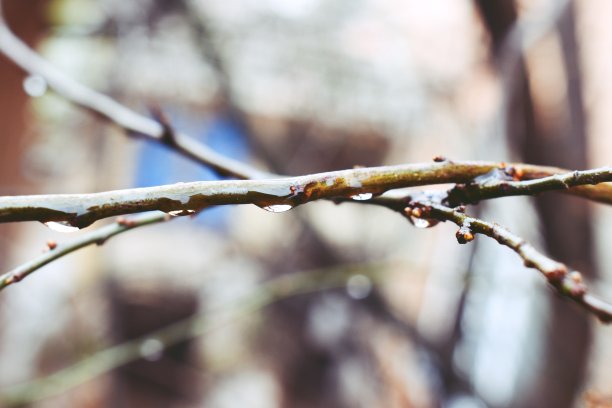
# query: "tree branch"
x,y
97,237
567,283
505,183
81,210
108,108
509,183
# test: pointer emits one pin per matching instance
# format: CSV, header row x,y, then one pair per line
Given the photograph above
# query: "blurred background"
x,y
296,87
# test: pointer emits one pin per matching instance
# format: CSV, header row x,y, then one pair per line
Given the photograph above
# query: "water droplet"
x,y
35,86
151,349
61,226
422,222
278,208
362,196
358,286
180,213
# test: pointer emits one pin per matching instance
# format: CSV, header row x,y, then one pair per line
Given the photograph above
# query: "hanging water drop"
x,y
35,85
415,216
180,213
278,208
362,196
421,222
61,226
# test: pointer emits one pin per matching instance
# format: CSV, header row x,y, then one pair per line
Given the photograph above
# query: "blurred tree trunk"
x,y
565,222
27,20
567,232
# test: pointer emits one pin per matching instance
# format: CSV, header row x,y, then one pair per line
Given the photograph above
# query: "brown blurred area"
x,y
295,88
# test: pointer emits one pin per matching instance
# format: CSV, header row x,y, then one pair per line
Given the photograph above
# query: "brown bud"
x,y
51,244
464,235
575,276
556,275
573,286
439,159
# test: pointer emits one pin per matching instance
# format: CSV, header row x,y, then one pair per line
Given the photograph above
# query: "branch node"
x,y
168,136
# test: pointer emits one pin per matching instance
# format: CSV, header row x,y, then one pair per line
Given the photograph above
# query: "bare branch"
x,y
108,108
567,283
496,186
97,237
81,210
506,182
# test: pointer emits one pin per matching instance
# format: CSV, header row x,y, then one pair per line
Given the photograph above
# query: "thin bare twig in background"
x,y
106,360
108,108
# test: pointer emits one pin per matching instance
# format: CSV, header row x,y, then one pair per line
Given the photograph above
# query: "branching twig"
x,y
97,237
81,210
106,107
567,283
495,187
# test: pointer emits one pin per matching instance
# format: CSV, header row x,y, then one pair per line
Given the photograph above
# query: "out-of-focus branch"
x,y
58,250
276,195
567,283
114,357
106,107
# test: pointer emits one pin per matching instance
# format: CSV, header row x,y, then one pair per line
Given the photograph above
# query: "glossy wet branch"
x,y
81,210
566,282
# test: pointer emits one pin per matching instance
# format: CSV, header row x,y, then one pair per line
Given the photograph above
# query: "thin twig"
x,y
108,108
58,250
81,210
567,283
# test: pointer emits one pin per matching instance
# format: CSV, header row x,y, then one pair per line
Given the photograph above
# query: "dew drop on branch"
x,y
362,196
61,226
422,222
35,86
180,213
278,208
